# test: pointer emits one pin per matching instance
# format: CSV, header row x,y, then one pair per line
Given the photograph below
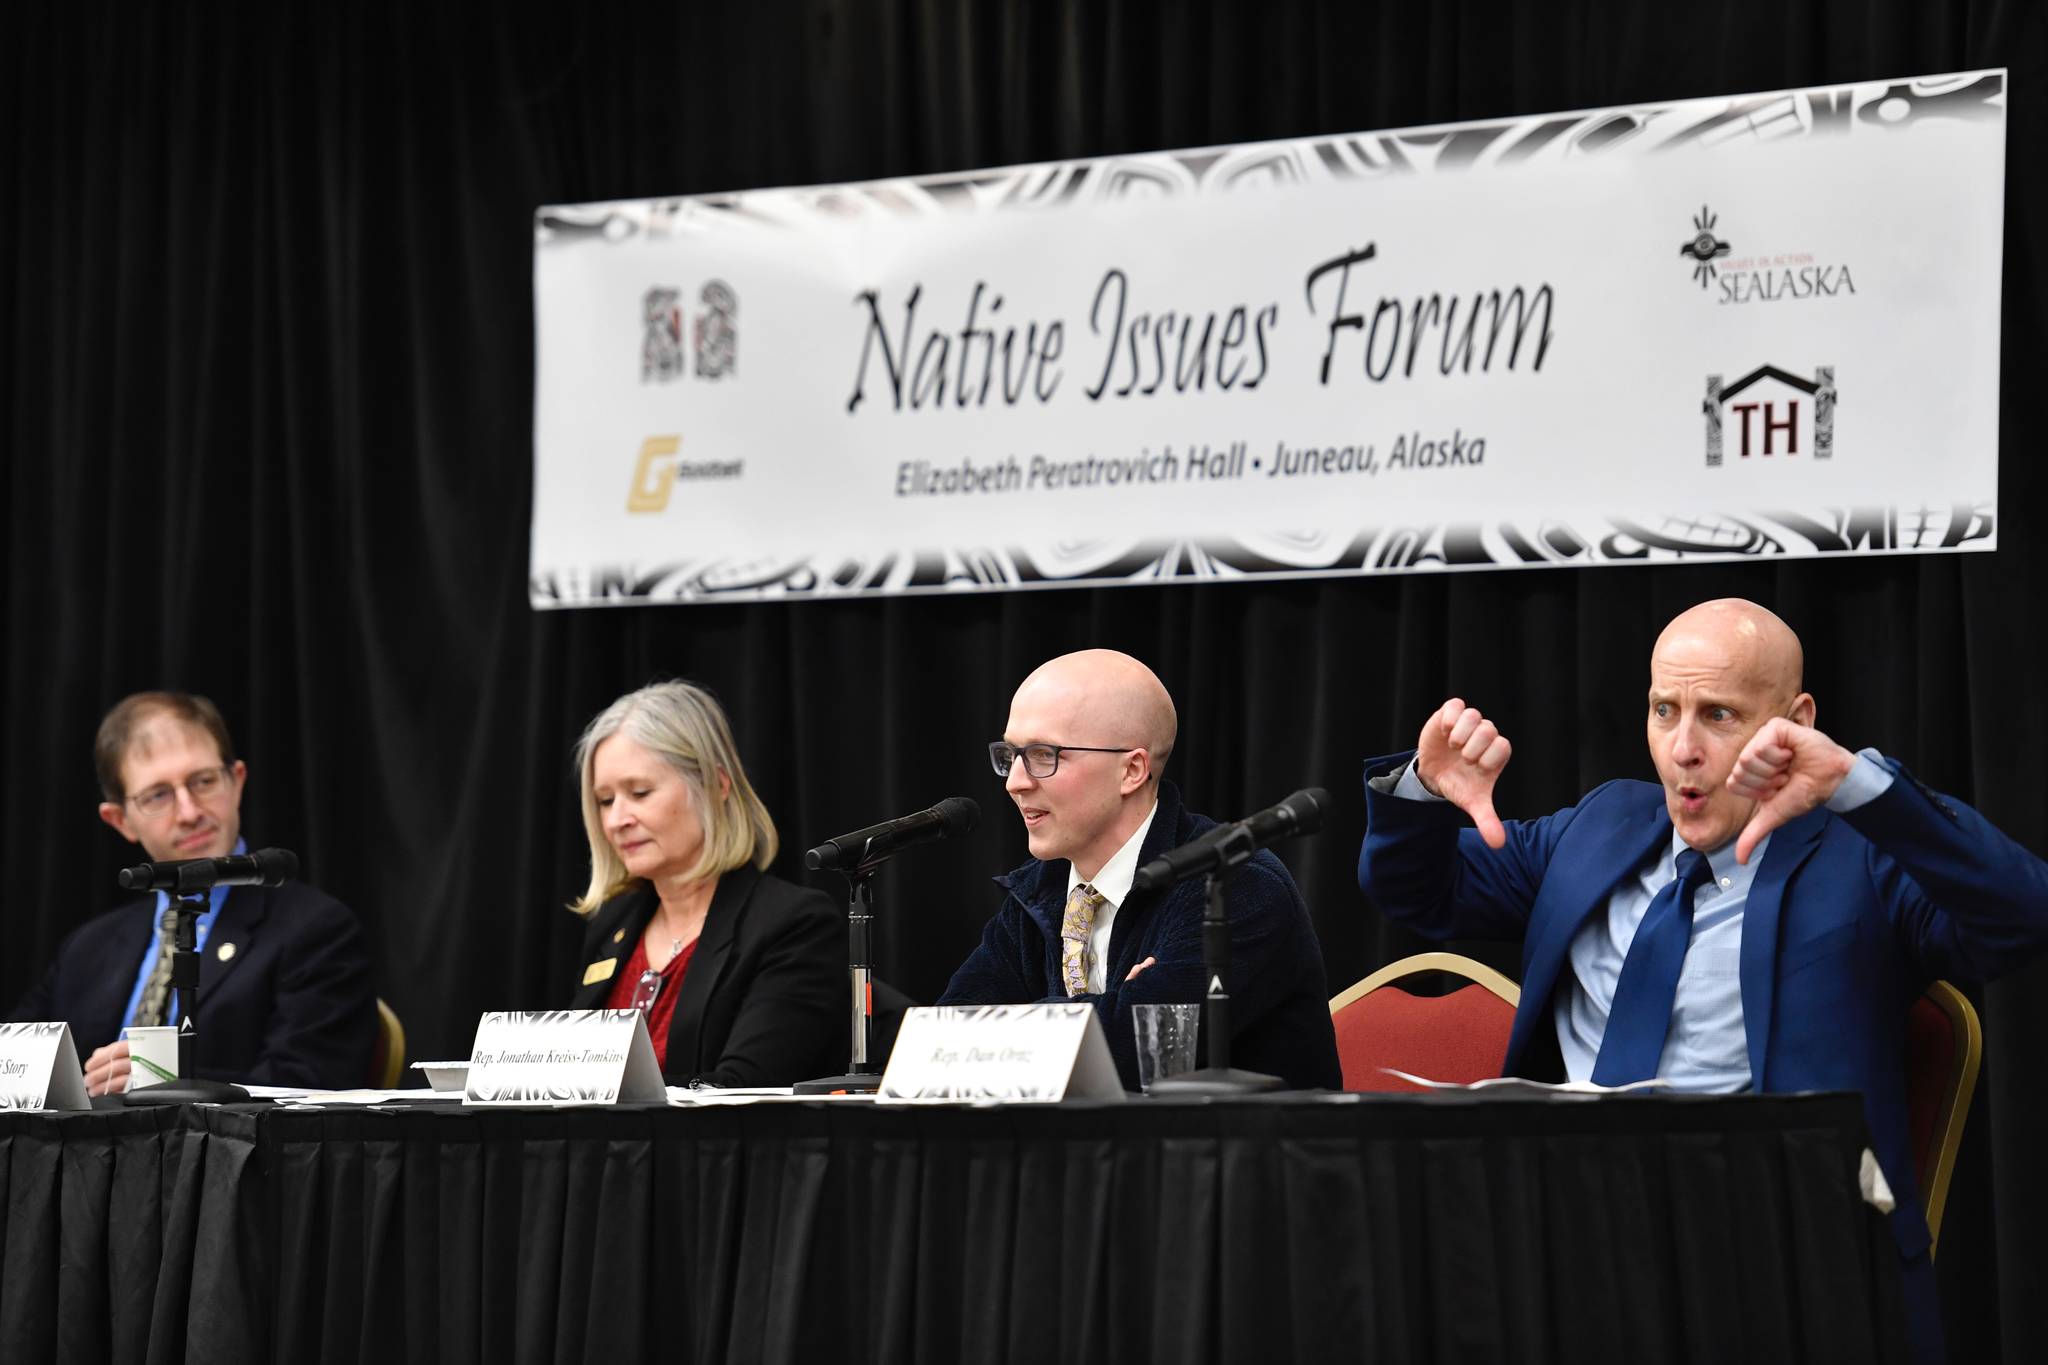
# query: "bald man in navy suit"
x,y
1798,896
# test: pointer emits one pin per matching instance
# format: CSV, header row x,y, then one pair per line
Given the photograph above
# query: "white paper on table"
x,y
1515,1087
320,1099
686,1097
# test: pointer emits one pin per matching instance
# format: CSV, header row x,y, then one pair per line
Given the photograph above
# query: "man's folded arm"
x,y
1266,928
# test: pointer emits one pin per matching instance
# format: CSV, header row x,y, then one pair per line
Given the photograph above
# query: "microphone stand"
x,y
861,1078
1219,1077
188,903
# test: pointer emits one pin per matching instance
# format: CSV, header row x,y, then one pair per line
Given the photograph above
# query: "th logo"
x,y
1769,419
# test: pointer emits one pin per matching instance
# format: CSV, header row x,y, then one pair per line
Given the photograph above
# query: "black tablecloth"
x,y
1381,1228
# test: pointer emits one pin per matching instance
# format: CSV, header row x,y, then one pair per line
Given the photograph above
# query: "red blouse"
x,y
664,1010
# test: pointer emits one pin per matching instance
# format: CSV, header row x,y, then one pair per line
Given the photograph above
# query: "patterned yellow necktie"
x,y
1082,903
156,992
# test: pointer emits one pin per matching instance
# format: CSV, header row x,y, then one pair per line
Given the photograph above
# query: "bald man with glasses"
x,y
284,977
1088,735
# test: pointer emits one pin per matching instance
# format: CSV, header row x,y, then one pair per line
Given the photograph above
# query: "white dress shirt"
x,y
1113,884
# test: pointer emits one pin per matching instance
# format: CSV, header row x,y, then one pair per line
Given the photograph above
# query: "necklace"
x,y
668,922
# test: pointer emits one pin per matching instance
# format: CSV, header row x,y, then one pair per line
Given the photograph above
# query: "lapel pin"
x,y
227,952
619,937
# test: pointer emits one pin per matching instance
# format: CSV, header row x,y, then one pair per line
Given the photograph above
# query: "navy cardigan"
x,y
1279,1003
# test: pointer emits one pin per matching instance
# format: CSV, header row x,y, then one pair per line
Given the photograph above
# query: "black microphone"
x,y
1228,845
954,815
264,867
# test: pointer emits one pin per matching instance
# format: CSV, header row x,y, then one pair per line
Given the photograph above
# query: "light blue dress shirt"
x,y
1706,1049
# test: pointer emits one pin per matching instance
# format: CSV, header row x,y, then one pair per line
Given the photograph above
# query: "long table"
x,y
1291,1228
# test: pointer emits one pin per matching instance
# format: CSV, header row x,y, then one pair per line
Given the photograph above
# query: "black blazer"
x,y
766,1000
290,1005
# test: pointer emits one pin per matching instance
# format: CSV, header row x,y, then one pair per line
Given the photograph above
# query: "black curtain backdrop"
x,y
266,385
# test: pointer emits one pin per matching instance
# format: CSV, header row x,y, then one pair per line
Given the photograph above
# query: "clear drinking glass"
x,y
1166,1040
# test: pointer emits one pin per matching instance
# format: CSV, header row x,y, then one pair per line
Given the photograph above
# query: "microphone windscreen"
x,y
278,865
1310,805
957,815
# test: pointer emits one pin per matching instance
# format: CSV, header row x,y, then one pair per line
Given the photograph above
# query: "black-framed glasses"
x,y
1040,760
158,799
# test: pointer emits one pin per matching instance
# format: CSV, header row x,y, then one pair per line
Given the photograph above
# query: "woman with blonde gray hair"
x,y
742,975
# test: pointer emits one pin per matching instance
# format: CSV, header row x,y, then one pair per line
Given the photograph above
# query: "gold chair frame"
x,y
1457,964
392,1033
1954,1106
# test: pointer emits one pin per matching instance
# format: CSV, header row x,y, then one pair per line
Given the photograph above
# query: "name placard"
x,y
563,1057
1032,1054
39,1068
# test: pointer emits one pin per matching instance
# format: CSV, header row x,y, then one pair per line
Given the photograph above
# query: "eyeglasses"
x,y
201,786
1040,760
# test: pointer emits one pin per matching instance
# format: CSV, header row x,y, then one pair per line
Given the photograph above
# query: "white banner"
x,y
1764,325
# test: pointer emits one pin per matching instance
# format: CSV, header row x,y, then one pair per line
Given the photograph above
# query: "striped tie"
x,y
156,992
1082,903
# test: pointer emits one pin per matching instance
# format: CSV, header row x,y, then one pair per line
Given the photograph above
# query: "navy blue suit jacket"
x,y
292,1005
1848,919
1279,999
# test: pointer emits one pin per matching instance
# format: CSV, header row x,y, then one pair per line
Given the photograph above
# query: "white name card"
x,y
39,1068
563,1057
1018,1053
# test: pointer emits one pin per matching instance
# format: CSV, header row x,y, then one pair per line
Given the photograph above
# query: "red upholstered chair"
x,y
1944,1048
1462,1036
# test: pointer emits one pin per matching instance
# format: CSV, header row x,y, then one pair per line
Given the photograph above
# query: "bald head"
x,y
1718,673
1758,648
1113,724
1109,696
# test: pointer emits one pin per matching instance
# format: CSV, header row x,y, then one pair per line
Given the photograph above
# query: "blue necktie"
x,y
1641,1016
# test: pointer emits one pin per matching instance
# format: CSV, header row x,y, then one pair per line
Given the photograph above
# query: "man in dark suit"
x,y
1759,920
1081,757
284,978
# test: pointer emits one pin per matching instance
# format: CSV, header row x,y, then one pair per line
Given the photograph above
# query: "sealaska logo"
x,y
1704,247
1766,276
1781,415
